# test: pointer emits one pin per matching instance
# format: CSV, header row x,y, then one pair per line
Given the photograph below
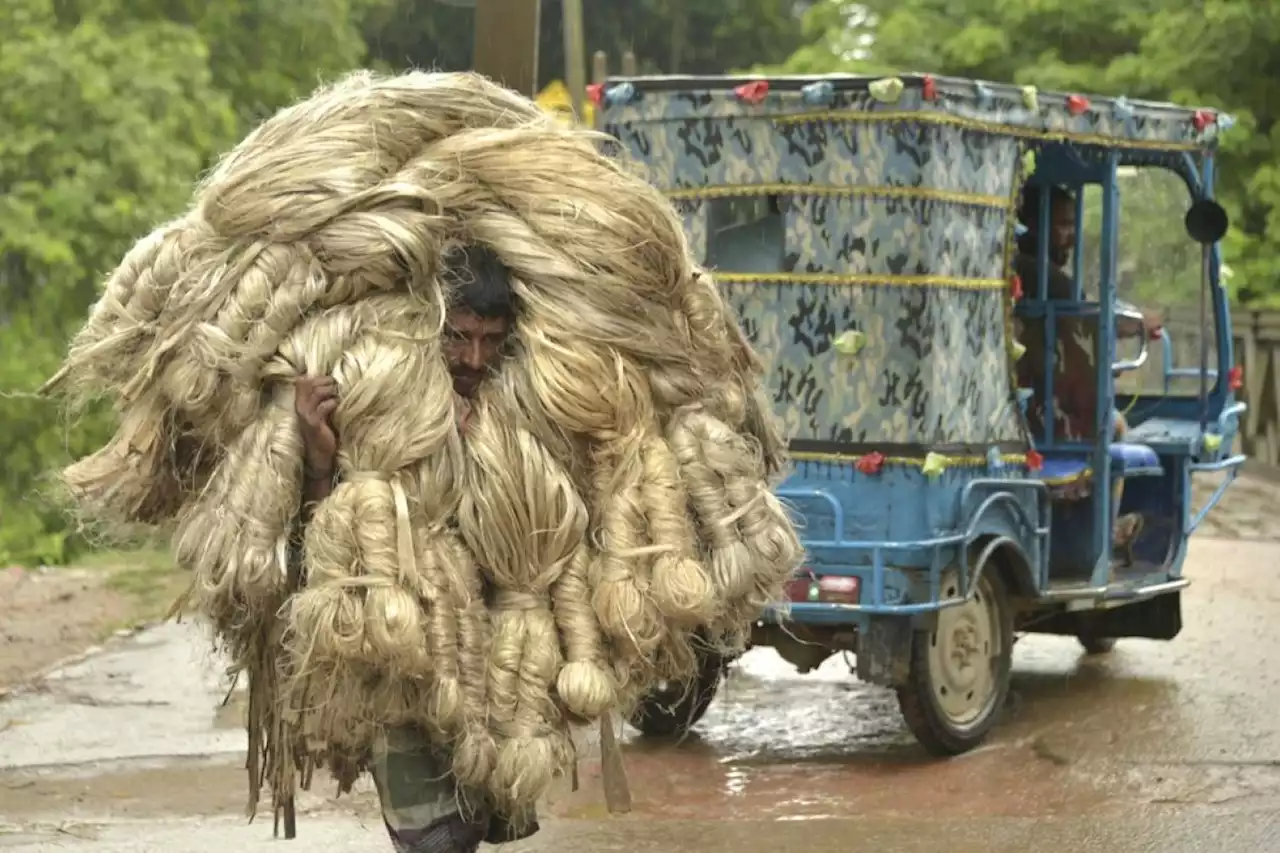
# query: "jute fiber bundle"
x,y
609,502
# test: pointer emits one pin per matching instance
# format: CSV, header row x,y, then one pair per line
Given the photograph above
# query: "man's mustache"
x,y
469,376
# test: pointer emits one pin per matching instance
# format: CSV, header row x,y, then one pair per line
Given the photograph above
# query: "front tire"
x,y
673,709
959,677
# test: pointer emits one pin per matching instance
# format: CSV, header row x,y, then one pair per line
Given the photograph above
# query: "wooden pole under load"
x,y
575,55
506,47
599,67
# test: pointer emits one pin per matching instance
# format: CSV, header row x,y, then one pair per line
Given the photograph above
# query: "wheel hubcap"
x,y
964,651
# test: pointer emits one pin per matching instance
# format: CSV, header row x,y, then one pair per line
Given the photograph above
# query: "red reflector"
x,y
826,589
838,585
797,589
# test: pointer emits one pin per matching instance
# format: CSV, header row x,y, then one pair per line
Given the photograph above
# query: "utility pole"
x,y
506,47
575,55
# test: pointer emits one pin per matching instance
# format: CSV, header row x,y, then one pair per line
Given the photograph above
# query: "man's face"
x,y
1062,231
473,346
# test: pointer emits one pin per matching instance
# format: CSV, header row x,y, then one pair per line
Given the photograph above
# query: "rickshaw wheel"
x,y
959,676
674,708
1095,645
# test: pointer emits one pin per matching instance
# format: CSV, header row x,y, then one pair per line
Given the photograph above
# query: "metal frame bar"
x,y
1171,372
1119,593
1077,252
1043,234
1221,307
862,553
1232,466
1104,357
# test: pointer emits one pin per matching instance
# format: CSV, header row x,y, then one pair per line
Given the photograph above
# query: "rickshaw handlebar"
x,y
1128,312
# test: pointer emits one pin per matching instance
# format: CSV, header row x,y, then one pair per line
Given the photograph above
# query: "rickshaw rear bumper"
x,y
827,595
814,613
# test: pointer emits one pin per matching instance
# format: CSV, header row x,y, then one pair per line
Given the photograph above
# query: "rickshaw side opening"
x,y
866,232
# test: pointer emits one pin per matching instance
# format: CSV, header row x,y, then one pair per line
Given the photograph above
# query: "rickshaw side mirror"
x,y
1206,221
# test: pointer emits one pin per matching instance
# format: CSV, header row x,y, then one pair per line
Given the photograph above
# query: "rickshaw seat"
x,y
1127,460
1168,435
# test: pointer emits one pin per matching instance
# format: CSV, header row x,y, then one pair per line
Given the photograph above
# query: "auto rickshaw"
x,y
954,489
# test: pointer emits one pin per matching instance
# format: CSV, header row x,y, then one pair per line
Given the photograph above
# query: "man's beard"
x,y
466,382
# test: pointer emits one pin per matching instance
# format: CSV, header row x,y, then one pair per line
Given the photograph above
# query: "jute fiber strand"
x,y
607,508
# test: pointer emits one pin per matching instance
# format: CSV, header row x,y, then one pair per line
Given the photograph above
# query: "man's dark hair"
x,y
479,282
1029,209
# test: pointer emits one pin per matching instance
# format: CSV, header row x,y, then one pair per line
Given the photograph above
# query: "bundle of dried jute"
x,y
608,502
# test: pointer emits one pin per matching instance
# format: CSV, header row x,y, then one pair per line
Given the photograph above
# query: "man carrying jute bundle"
x,y
415,786
461,446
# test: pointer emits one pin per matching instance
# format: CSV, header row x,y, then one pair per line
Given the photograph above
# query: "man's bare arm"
x,y
315,400
316,486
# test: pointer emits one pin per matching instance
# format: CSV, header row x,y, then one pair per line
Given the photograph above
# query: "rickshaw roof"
x,y
1000,108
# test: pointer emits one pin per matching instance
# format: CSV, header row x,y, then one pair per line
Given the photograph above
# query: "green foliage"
x,y
109,112
104,129
1157,264
110,109
263,54
1217,53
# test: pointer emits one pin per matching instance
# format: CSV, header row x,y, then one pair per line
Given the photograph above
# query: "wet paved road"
x,y
1161,746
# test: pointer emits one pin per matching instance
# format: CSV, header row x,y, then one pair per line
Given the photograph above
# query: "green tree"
x,y
263,53
112,108
103,133
1226,54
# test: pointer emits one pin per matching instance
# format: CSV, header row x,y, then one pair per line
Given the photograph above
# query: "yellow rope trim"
x,y
913,461
990,127
951,462
806,190
837,279
1069,480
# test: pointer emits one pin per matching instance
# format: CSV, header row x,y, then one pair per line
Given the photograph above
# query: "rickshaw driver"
x,y
1062,241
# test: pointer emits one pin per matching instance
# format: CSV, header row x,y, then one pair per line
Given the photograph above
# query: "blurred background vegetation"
x,y
110,108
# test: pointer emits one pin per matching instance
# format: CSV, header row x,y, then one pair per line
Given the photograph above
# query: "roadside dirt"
x,y
48,615
1249,510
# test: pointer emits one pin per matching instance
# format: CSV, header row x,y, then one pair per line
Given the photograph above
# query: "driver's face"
x,y
1062,230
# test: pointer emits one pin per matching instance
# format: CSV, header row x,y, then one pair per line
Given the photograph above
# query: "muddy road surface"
x,y
1164,747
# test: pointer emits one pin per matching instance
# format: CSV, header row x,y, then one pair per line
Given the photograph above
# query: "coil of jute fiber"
x,y
607,505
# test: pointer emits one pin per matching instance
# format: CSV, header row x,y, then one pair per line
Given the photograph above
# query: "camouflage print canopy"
x,y
865,237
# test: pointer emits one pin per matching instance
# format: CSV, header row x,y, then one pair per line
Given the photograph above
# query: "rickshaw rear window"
x,y
746,234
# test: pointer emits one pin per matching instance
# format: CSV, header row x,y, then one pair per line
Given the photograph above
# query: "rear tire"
x,y
672,710
959,676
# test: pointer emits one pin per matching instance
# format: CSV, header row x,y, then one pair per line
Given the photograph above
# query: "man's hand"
x,y
463,411
315,398
1153,323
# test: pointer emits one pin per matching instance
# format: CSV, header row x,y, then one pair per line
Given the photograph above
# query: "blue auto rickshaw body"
x,y
865,231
